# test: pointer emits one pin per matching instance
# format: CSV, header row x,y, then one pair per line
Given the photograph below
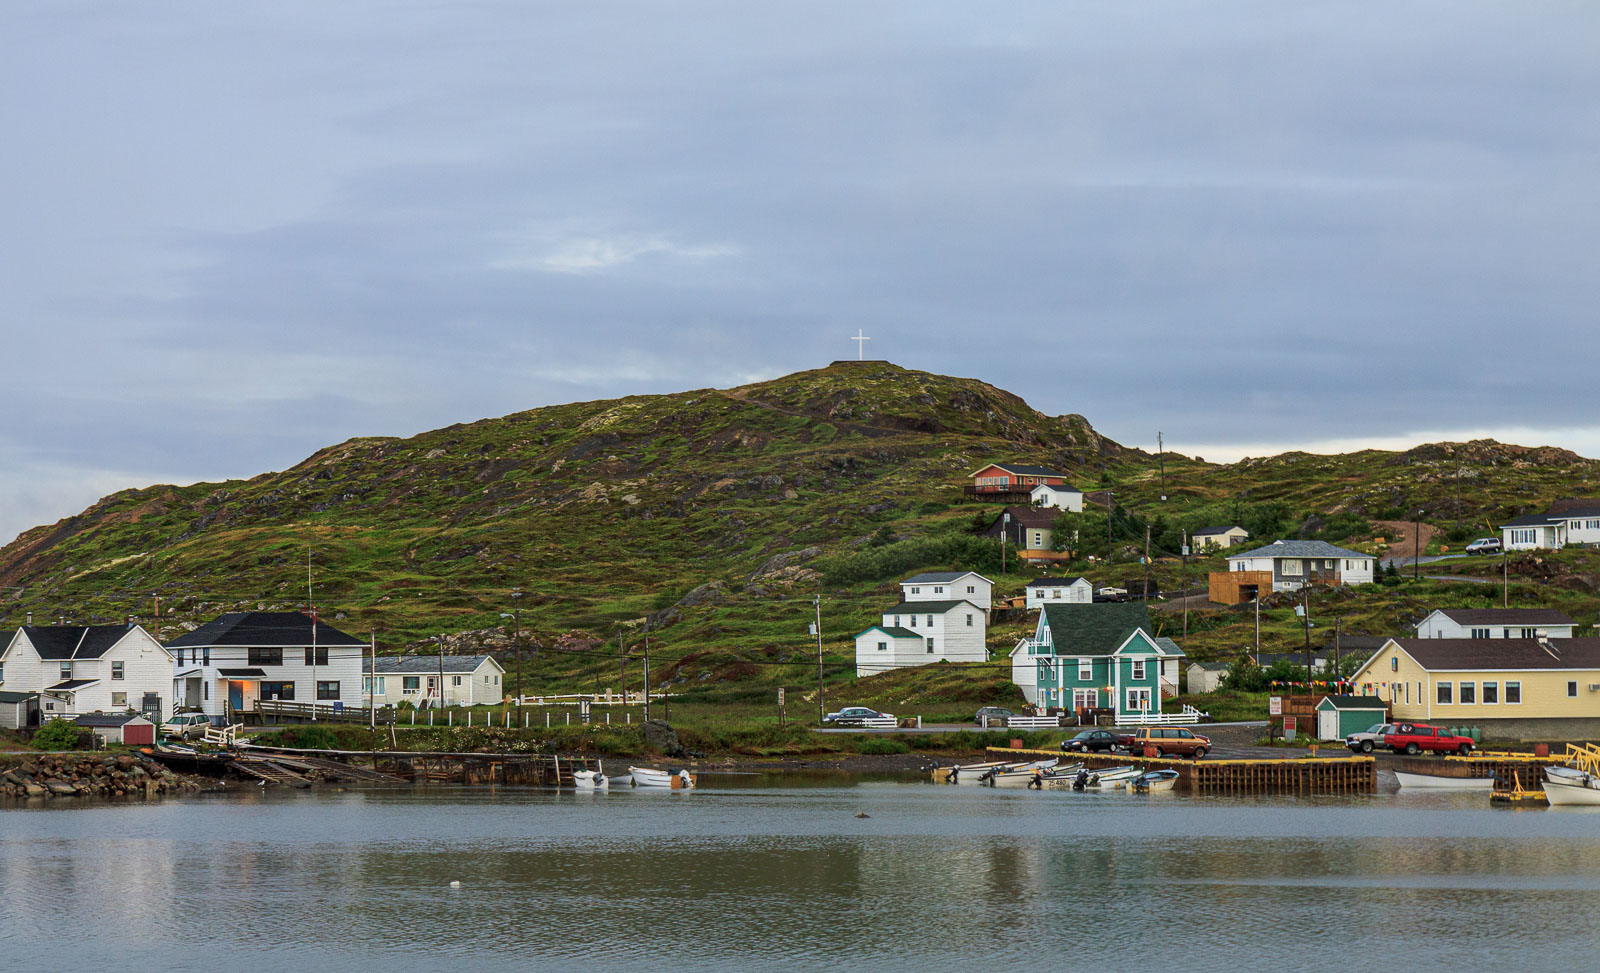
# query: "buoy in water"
x,y
455,883
862,814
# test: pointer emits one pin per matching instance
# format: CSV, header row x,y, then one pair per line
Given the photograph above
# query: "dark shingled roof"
x,y
1355,702
71,685
1204,531
1054,582
10,697
1506,616
1095,629
58,642
930,607
1528,520
939,577
458,664
891,631
1453,654
263,630
1025,470
107,719
1292,548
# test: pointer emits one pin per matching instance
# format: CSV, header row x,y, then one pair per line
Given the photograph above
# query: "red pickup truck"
x,y
1413,738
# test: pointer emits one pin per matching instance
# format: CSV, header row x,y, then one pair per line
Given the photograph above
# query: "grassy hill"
x,y
716,515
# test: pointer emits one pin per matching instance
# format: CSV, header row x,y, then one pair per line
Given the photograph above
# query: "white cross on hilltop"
x,y
861,347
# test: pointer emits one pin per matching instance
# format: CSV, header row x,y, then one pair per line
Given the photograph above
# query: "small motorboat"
x,y
1569,775
1154,781
967,774
591,780
1112,778
1018,776
1433,782
1058,779
1571,792
675,779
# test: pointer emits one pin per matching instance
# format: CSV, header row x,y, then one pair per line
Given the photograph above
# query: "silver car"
x,y
186,726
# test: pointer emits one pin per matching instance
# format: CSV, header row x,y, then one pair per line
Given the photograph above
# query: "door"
x,y
1328,725
433,689
150,708
235,696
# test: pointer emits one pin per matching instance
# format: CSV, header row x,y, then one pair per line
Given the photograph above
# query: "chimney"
x,y
30,619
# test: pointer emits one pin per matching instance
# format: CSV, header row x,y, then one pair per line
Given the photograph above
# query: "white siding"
x,y
146,668
344,667
1439,626
1060,498
1079,592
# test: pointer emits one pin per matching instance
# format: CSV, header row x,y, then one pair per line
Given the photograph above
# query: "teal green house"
x,y
1099,656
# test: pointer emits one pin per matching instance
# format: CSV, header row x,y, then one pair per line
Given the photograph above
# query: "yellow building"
x,y
1540,689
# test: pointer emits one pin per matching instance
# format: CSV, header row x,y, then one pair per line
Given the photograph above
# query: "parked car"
x,y
186,726
1170,741
1413,738
998,715
1484,545
1092,741
855,716
1369,739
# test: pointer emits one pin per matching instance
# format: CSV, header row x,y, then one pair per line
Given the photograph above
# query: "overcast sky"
x,y
234,233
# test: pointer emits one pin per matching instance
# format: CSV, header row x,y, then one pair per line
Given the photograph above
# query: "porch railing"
x,y
1188,715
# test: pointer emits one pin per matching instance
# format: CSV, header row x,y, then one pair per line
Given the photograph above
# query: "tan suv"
x,y
1169,742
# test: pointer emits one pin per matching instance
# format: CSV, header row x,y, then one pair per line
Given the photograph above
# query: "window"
x,y
1480,633
910,619
1572,690
410,684
205,656
455,680
971,590
1505,633
66,670
1491,693
930,621
1513,692
116,670
282,691
930,646
327,689
1138,699
938,589
205,691
2,673
1394,663
265,657
883,646
1138,668
1444,692
1085,669
897,621
317,657
969,619
119,700
1469,694
916,591
1047,670
1291,565
366,686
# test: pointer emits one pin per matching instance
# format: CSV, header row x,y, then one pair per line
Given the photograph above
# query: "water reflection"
x,y
783,877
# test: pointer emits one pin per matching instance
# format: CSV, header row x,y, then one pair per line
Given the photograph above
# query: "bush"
x,y
878,746
58,735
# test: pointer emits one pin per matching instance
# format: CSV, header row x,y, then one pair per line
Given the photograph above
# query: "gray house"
x,y
1292,564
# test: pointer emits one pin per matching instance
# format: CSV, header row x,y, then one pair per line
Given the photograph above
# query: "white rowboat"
x,y
1019,776
591,780
1429,781
648,777
1154,782
1563,793
966,774
1059,779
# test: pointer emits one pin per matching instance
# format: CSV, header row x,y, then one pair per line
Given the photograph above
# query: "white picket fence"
x,y
1030,722
880,723
1189,715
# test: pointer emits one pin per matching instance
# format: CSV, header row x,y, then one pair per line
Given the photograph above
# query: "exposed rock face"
x,y
659,735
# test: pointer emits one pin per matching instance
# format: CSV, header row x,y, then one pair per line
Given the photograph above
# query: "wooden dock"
x,y
1288,775
426,767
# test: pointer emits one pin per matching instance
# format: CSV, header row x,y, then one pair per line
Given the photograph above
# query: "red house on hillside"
x,y
1010,482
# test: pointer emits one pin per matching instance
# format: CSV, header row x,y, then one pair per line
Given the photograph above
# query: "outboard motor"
x,y
954,776
1081,781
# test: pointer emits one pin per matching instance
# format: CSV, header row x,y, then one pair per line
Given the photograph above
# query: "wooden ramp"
x,y
268,772
335,770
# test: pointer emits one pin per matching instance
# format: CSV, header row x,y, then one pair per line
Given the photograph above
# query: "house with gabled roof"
x,y
1218,537
1289,565
1073,590
1496,623
945,585
1573,520
422,680
81,669
917,633
229,665
1098,656
1052,496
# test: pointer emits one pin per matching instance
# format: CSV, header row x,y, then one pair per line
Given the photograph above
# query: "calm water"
x,y
746,874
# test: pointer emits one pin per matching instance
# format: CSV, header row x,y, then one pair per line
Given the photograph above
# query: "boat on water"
x,y
966,774
1568,775
1058,779
1154,782
649,777
1018,776
1112,778
591,780
1434,782
1566,791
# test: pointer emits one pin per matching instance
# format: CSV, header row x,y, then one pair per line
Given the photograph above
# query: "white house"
x,y
916,633
79,669
1206,677
1059,497
1043,591
1495,623
469,680
1575,520
225,667
947,585
1293,563
1219,537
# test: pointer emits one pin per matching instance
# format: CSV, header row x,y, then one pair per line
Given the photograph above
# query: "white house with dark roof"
x,y
1495,623
1575,520
916,633
1293,563
80,669
946,585
1219,537
1055,496
468,680
1043,591
226,666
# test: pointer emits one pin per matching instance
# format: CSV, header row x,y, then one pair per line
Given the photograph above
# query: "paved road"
x,y
1462,578
1406,562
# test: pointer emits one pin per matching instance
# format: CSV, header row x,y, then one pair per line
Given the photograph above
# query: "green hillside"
x,y
715,514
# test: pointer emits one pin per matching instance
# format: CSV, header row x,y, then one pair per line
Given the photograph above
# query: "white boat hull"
x,y
590,780
1569,775
1019,776
1429,781
965,776
1562,793
646,777
1154,785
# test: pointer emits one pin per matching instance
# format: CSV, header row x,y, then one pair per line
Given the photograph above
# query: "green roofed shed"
x,y
1340,716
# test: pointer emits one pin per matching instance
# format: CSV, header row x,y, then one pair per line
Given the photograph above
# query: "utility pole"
x,y
1147,564
1305,611
516,637
158,615
1184,582
1258,625
372,687
1111,504
1338,671
1162,453
821,706
441,670
1505,577
622,670
1005,528
647,674
1416,562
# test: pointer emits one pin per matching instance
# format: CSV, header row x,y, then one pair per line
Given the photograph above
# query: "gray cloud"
x,y
240,234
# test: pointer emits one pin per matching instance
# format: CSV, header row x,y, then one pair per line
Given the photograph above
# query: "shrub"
x,y
878,746
58,735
